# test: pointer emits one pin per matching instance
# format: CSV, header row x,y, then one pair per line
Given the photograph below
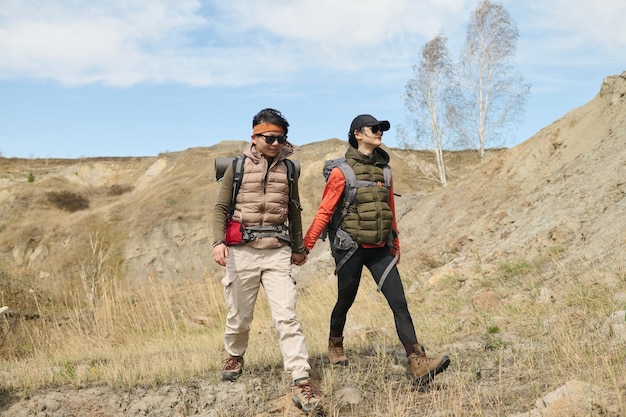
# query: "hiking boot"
x,y
335,351
306,396
233,367
423,368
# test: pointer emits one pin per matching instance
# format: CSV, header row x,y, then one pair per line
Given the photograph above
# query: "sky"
x,y
141,77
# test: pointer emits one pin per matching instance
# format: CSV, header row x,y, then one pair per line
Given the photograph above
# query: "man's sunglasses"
x,y
270,139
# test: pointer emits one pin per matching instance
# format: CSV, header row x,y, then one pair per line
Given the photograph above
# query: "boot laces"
x,y
421,359
309,391
231,363
337,350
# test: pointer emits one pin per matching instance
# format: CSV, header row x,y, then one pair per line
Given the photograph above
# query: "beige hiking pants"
x,y
246,270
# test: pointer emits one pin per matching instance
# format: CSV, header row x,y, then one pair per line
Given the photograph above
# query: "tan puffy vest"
x,y
264,195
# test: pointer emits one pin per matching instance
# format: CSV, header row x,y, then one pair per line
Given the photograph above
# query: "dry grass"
x,y
504,356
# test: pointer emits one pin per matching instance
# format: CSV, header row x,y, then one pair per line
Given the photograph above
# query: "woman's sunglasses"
x,y
376,129
270,139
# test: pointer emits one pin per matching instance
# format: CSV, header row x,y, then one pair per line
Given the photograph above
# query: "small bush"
x,y
117,189
31,177
493,329
68,201
514,269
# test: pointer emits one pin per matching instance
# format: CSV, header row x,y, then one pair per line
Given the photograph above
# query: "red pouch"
x,y
234,232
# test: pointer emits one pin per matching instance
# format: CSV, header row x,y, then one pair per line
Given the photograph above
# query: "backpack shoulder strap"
x,y
237,178
291,168
293,173
351,185
387,175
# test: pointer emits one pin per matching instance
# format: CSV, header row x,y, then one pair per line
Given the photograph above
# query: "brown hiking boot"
x,y
306,396
335,351
233,367
423,368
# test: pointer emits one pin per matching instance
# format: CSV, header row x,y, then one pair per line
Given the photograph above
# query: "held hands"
x,y
299,259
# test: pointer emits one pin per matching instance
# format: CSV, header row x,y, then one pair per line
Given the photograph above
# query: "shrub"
x,y
514,269
117,189
31,177
67,200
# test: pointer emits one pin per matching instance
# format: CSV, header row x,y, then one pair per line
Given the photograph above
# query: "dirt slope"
x,y
561,190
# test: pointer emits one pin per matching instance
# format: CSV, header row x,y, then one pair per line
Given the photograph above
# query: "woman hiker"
x,y
367,236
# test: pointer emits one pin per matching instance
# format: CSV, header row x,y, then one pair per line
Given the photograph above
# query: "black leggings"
x,y
349,278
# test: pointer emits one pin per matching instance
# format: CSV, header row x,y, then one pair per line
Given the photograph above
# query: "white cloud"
x,y
585,22
353,23
235,42
579,30
74,42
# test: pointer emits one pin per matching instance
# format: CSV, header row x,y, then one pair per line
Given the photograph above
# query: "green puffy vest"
x,y
369,218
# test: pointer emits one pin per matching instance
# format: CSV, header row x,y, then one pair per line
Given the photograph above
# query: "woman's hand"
x,y
299,259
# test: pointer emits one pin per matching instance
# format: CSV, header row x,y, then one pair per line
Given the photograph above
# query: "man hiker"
x,y
257,239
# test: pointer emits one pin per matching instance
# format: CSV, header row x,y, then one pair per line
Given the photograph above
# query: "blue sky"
x,y
139,77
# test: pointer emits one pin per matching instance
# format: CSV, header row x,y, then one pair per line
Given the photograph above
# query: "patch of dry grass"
x,y
504,356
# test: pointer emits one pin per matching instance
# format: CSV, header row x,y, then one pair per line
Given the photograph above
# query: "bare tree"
x,y
492,93
426,99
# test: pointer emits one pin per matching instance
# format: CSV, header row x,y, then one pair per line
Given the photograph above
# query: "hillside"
x,y
550,210
154,213
561,190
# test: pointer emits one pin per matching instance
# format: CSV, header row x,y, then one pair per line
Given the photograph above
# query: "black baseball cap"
x,y
368,120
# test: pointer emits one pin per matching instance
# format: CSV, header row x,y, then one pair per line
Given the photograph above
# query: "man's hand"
x,y
220,253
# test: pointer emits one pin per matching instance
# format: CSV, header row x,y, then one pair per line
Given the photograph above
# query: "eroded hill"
x,y
560,192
